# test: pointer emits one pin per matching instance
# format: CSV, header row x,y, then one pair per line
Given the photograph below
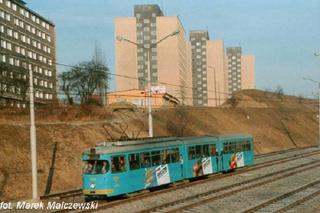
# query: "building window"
x,y
3,44
8,4
9,47
16,35
9,32
8,17
21,11
17,62
11,61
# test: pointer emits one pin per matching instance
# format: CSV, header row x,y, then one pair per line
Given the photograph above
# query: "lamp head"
x,y
175,32
119,38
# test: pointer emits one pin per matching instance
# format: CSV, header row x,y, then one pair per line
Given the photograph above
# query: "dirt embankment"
x,y
276,122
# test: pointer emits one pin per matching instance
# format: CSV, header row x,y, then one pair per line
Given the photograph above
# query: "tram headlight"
x,y
92,186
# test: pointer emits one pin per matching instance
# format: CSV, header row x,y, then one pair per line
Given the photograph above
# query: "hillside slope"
x,y
276,122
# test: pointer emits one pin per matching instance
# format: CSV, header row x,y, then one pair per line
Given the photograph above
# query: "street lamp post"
x,y
215,84
33,142
317,82
148,49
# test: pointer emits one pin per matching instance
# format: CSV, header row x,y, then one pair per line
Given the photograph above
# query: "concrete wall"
x,y
248,72
126,53
215,61
174,64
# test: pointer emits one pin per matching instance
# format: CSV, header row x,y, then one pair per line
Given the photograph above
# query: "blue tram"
x,y
116,168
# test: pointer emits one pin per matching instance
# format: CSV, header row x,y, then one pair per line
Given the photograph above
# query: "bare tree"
x,y
86,79
66,79
233,101
83,80
279,92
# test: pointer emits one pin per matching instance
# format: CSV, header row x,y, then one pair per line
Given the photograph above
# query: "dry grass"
x,y
260,114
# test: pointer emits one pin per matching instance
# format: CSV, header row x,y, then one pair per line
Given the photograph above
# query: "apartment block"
x,y
208,72
170,61
198,41
27,43
240,69
234,69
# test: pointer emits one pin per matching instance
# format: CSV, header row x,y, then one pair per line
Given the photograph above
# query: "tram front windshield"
x,y
95,167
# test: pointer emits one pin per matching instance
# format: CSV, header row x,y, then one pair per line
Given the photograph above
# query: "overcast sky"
x,y
283,35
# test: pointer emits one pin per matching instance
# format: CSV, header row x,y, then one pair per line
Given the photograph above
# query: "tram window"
x,y
174,155
118,164
134,161
96,167
238,147
244,146
205,151
145,160
226,148
233,147
104,166
198,151
191,151
155,158
213,150
248,146
165,157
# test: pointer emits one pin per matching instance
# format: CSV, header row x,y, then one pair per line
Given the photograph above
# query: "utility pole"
x,y
219,94
149,95
33,141
215,85
317,82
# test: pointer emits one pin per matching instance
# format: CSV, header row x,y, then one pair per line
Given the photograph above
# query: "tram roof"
x,y
164,142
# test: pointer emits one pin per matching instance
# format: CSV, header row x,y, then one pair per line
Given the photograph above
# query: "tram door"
x,y
183,161
219,157
215,158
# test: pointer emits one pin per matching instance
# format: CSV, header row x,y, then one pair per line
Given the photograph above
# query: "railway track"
x,y
188,203
61,195
108,205
289,200
269,154
78,192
